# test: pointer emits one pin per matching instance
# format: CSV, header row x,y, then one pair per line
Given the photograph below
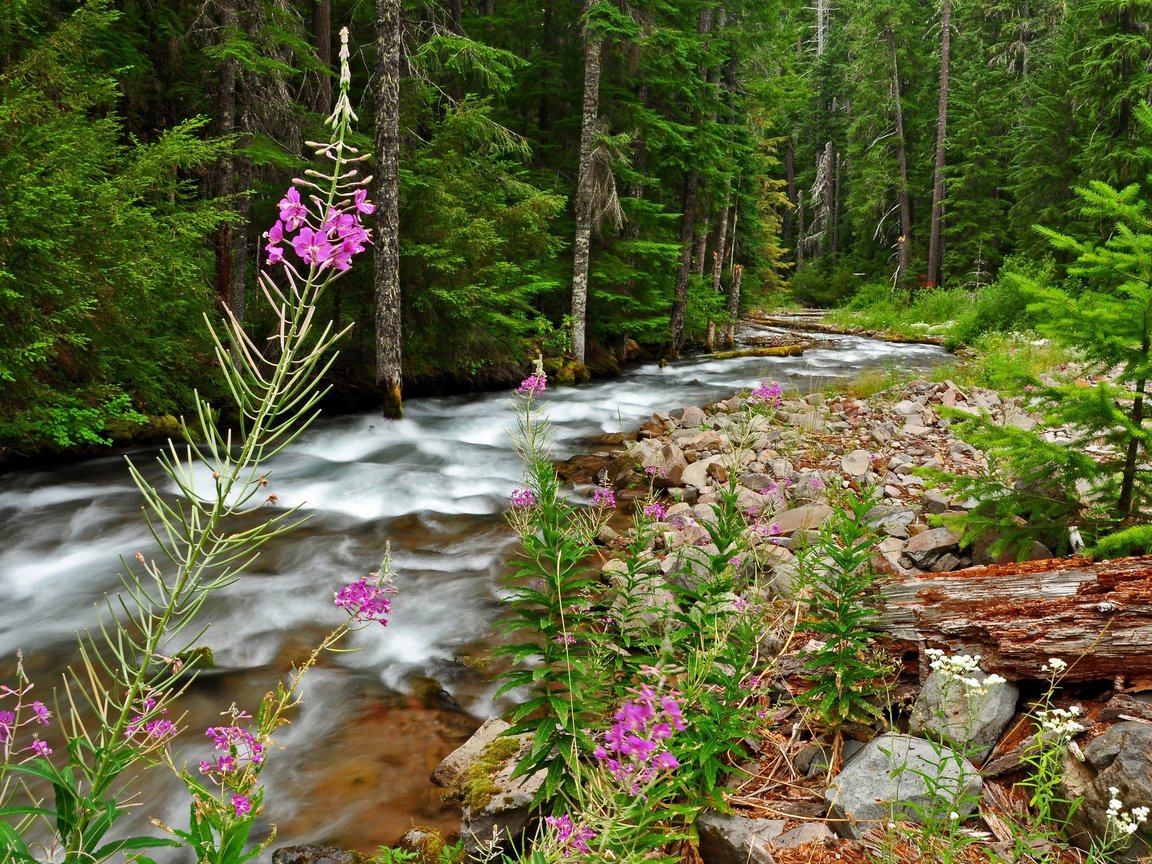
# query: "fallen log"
x,y
1096,616
771,351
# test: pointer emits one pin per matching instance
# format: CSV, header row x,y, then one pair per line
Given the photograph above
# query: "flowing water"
x,y
434,485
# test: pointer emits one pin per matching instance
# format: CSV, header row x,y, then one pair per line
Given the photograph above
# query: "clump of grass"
x,y
1006,362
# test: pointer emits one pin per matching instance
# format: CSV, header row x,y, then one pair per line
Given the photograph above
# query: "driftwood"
x,y
771,351
1096,616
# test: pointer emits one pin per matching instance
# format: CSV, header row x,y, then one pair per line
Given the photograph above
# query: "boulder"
x,y
966,719
688,418
697,474
800,518
309,853
731,839
898,777
857,463
927,546
1120,759
454,767
497,806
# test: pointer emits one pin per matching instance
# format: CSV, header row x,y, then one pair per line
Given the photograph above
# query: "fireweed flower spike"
x,y
604,497
366,601
534,383
522,499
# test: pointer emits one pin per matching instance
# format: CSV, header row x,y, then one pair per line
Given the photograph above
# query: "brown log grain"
x,y
1096,616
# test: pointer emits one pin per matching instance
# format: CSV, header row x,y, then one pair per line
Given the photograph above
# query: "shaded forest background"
x,y
656,154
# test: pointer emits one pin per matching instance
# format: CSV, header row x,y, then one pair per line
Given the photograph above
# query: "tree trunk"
x,y
790,178
226,175
733,305
1095,616
683,269
389,328
718,263
322,27
800,229
905,237
1128,476
935,238
593,46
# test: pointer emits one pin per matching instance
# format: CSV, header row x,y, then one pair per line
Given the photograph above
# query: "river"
x,y
355,762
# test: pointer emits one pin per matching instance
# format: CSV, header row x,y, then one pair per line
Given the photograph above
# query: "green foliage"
x,y
102,286
846,676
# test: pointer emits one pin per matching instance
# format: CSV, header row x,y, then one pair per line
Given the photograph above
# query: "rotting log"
x,y
1096,616
773,351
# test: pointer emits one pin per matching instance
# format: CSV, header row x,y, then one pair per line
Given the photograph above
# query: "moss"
x,y
427,843
479,787
775,351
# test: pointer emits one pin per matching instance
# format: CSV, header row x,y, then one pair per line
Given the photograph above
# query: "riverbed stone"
x,y
967,720
689,417
731,839
857,463
804,517
927,546
899,777
697,474
309,853
454,767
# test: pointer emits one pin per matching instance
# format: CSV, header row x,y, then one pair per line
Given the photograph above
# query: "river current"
x,y
433,486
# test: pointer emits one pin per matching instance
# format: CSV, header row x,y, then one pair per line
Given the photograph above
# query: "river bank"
x,y
797,801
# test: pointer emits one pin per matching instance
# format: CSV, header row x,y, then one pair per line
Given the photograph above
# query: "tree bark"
x,y
226,174
389,327
322,28
718,263
1131,456
905,237
935,238
593,47
733,304
683,269
1096,616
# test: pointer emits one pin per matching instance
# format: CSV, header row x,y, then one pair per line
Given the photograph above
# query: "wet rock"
x,y
312,854
969,724
898,777
731,839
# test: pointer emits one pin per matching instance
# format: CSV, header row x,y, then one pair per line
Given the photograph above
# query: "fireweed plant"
x,y
141,654
611,673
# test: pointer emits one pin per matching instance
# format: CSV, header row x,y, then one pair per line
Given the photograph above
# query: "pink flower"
x,y
312,246
523,498
365,601
41,748
767,394
655,512
242,805
292,211
363,205
533,384
603,497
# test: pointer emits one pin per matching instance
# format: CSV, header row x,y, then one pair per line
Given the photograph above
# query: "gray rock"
x,y
688,418
1121,759
968,724
804,517
312,854
857,463
731,839
503,811
454,767
898,777
929,545
697,474
803,834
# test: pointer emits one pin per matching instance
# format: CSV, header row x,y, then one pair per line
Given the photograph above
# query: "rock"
x,y
697,474
929,545
898,777
671,467
969,724
807,516
807,421
426,843
497,807
1121,759
802,835
731,839
857,463
453,769
756,480
312,854
946,563
688,418
935,502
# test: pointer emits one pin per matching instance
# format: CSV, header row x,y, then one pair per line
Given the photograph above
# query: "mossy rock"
x,y
426,843
573,372
480,786
602,363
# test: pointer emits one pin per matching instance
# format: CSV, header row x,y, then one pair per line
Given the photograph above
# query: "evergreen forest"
x,y
578,179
